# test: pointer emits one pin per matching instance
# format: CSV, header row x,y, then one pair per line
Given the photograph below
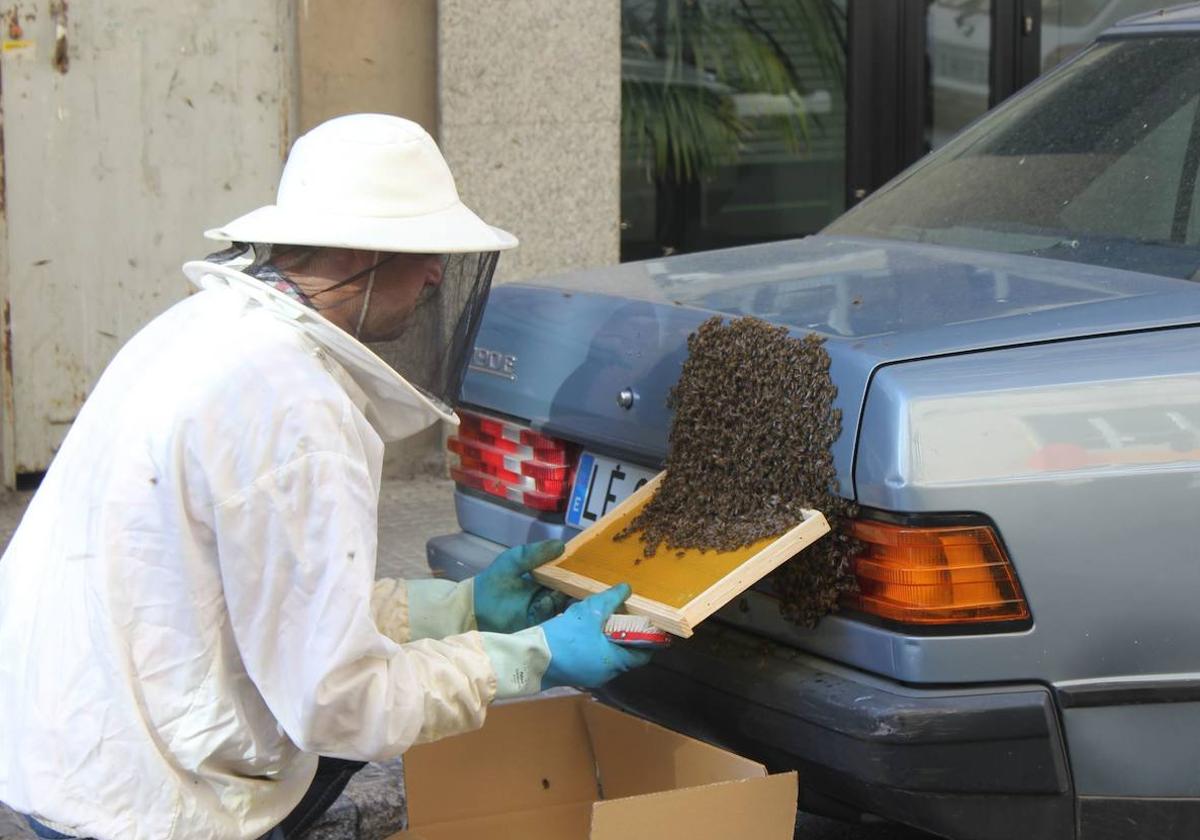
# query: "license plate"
x,y
600,485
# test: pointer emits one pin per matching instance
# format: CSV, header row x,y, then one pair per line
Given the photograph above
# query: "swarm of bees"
x,y
749,449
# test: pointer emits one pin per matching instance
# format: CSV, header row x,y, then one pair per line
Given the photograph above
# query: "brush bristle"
x,y
629,624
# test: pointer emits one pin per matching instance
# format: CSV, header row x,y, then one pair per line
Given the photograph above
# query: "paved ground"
x,y
411,512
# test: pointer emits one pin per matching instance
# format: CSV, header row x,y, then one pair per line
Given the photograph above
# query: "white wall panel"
x,y
168,117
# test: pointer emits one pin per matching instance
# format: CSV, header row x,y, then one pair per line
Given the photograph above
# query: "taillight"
x,y
935,575
511,461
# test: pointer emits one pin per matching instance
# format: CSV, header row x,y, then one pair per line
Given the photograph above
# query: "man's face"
x,y
402,284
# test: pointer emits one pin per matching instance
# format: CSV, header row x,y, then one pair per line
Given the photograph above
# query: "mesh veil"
x,y
433,345
434,348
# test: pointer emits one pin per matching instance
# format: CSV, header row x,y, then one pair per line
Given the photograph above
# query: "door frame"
x,y
886,81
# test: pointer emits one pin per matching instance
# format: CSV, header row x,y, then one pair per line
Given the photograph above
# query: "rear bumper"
x,y
978,763
985,763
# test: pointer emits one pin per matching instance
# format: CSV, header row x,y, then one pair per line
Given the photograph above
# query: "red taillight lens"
x,y
505,459
935,575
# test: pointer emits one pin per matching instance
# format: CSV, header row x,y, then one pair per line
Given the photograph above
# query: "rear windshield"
x,y
1097,165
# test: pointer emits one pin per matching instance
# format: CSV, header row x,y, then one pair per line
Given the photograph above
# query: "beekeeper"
x,y
193,643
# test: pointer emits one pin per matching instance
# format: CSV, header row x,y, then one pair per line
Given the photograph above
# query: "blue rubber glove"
x,y
507,598
580,654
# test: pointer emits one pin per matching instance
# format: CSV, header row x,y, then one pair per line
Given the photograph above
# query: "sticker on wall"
x,y
15,44
22,48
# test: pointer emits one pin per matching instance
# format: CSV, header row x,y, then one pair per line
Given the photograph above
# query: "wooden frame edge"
x,y
580,586
782,548
681,621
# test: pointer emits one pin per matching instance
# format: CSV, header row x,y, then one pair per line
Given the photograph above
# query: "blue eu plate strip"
x,y
583,479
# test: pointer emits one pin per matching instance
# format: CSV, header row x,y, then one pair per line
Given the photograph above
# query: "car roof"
x,y
1173,18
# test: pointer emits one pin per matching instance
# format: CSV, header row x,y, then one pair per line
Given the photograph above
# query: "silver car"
x,y
1014,327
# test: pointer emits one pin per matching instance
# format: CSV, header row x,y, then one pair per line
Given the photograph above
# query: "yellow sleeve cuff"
x,y
519,659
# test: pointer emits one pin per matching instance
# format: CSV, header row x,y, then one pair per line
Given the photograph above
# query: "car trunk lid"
x,y
559,351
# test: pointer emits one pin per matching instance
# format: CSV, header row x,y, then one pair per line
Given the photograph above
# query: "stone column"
x,y
529,96
368,55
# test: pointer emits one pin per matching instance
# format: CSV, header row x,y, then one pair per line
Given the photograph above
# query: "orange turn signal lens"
x,y
955,574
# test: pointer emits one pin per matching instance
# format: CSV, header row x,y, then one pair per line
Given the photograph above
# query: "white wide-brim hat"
x,y
371,182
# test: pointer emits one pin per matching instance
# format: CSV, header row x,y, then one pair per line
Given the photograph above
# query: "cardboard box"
x,y
570,768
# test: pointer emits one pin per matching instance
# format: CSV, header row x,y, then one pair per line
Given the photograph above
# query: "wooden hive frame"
x,y
676,590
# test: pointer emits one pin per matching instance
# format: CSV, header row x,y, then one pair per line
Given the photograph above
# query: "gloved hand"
x,y
580,654
507,599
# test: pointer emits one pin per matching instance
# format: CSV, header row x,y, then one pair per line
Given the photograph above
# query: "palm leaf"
x,y
684,62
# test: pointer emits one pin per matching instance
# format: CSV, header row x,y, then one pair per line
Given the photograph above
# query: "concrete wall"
x,y
530,111
146,123
8,467
523,95
129,128
368,55
373,56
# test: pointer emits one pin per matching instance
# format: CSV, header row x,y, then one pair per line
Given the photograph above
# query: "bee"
x,y
748,450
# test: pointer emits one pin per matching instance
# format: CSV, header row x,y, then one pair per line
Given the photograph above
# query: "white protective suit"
x,y
189,612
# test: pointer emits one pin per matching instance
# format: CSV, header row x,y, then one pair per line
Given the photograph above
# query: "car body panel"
x,y
984,430
1150,750
1057,400
876,302
1086,456
1084,628
566,380
483,517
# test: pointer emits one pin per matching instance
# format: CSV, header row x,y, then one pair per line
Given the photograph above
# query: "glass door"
x,y
922,70
751,120
958,61
733,122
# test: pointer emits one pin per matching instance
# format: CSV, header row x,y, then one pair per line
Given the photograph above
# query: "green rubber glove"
x,y
507,598
580,654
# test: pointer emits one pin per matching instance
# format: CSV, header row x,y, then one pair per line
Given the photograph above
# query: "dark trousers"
x,y
332,776
327,786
